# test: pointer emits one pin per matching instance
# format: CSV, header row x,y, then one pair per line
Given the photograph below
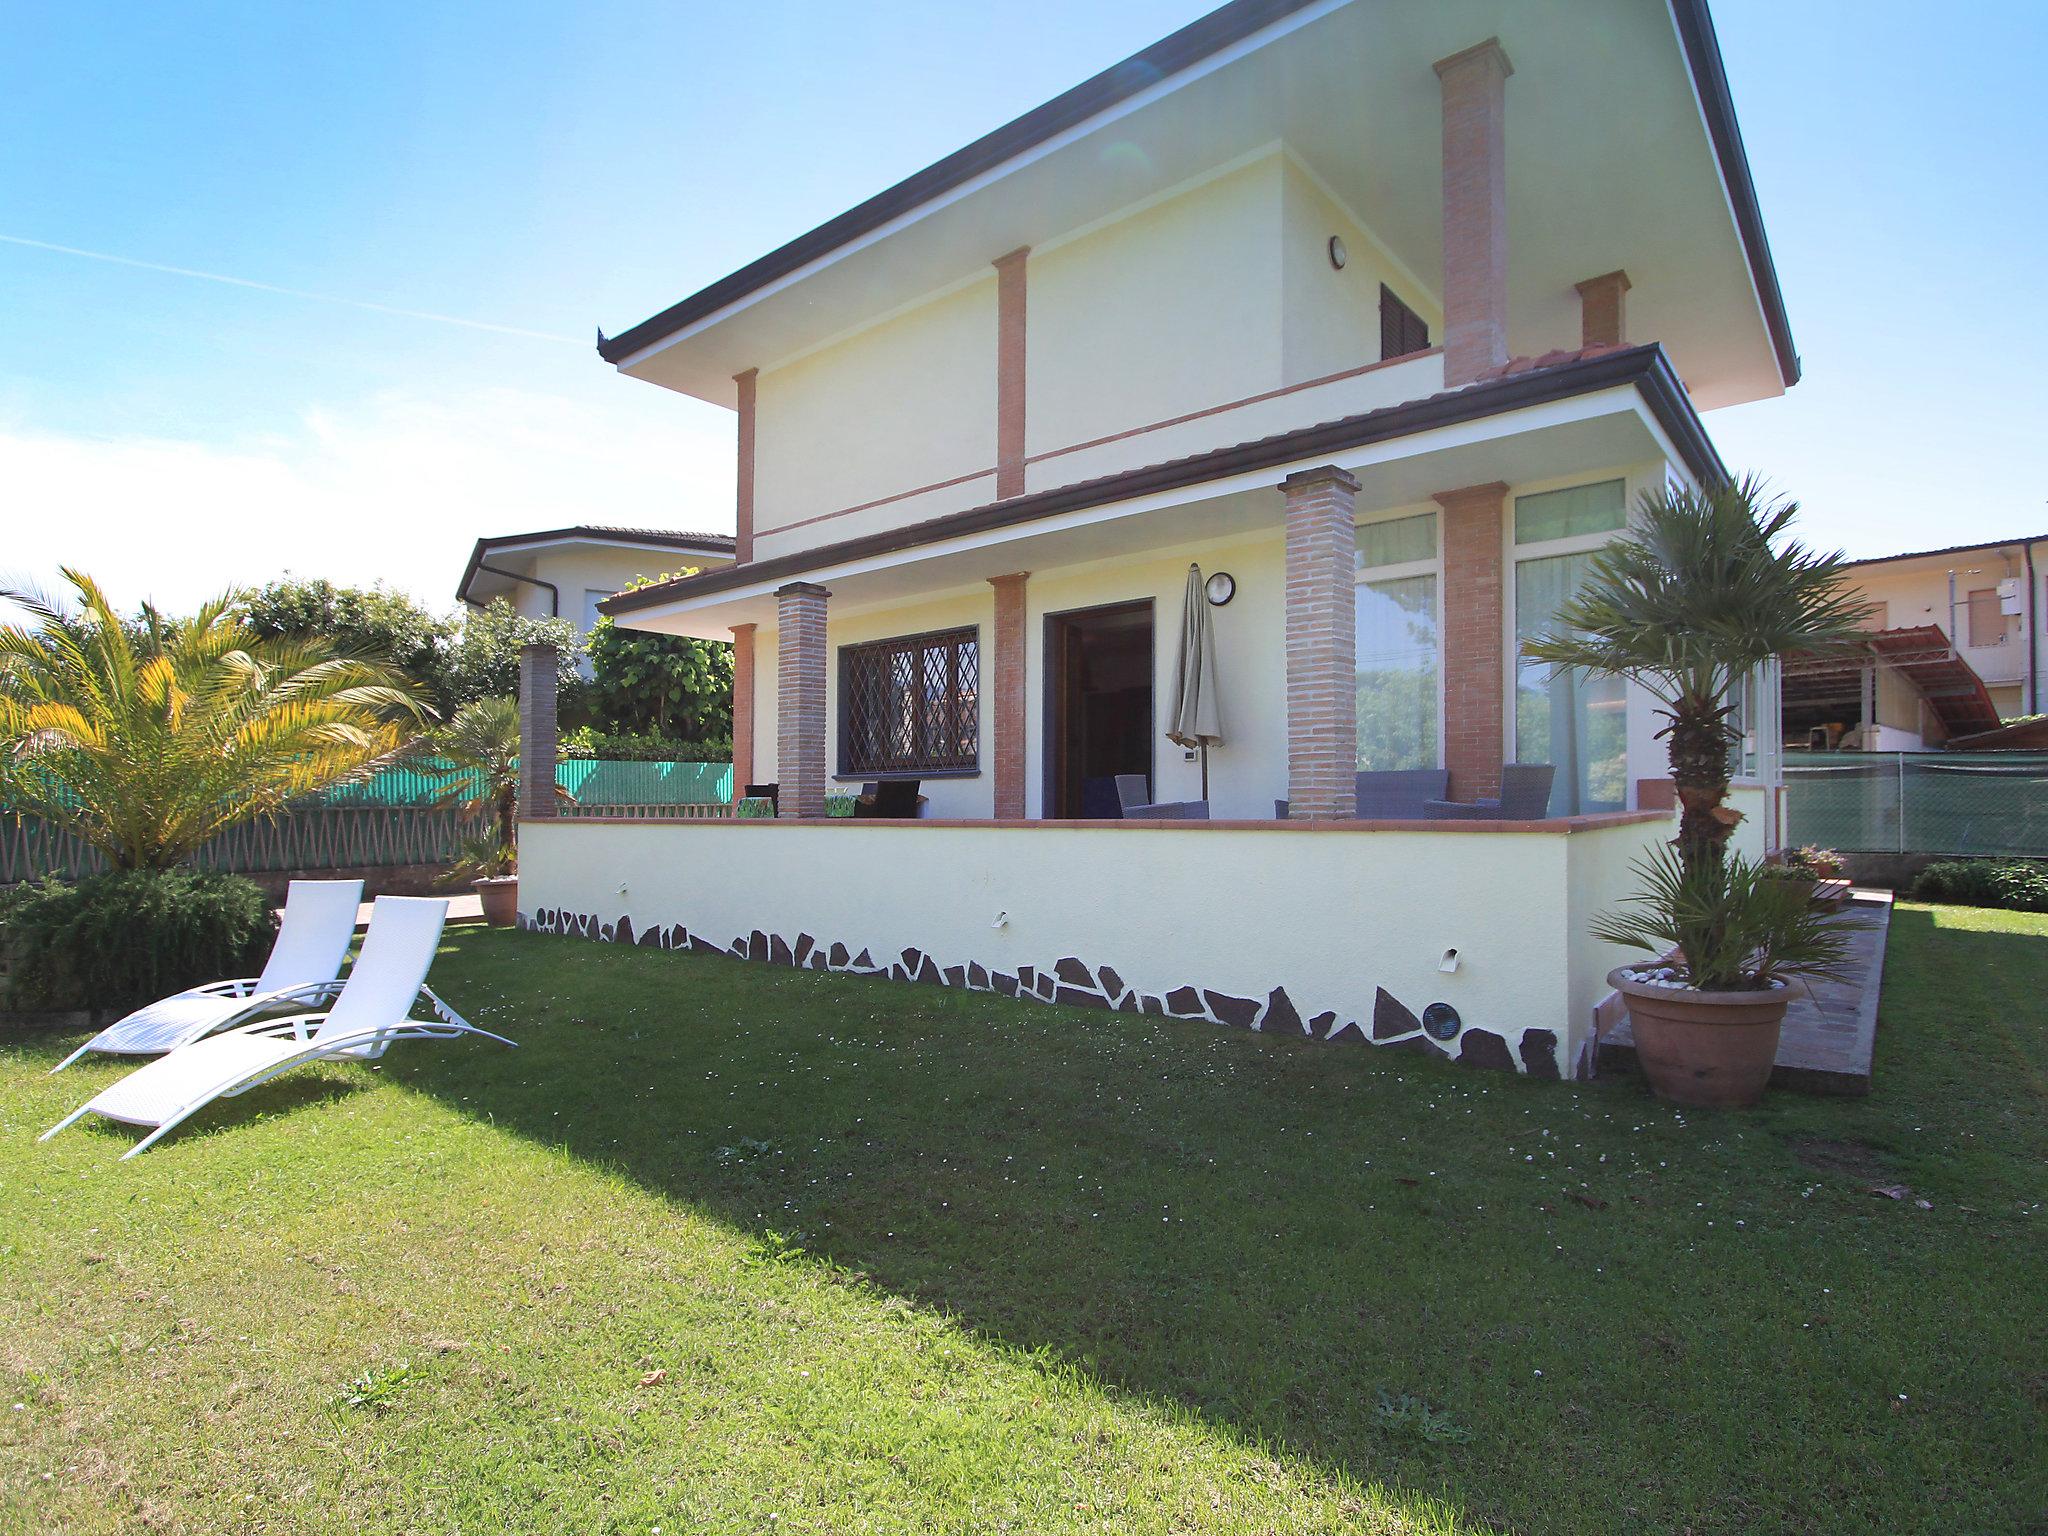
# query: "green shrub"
x,y
2018,885
644,747
126,938
672,686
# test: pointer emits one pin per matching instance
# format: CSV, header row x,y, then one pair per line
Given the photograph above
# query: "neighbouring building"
x,y
1955,650
566,572
1387,313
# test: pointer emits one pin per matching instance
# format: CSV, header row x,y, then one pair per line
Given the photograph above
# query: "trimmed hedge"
x,y
2017,885
125,938
644,747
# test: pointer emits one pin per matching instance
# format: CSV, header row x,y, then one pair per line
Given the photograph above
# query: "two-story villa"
x,y
1382,315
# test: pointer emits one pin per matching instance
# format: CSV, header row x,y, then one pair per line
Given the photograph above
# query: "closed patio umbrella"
x,y
1194,718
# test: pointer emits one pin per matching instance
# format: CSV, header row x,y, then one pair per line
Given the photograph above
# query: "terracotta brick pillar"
x,y
1603,310
742,708
1474,87
1322,645
1010,334
1006,695
743,498
800,698
1474,620
539,675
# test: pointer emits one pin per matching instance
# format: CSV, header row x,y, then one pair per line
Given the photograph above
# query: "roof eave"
x,y
710,543
1170,56
1710,79
1174,55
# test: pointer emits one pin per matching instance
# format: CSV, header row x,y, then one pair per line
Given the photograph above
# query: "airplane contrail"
x,y
294,293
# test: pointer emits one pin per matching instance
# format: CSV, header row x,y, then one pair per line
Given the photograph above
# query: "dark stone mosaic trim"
x,y
1071,981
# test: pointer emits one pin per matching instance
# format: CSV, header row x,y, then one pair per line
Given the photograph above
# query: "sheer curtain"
x,y
1564,717
1397,673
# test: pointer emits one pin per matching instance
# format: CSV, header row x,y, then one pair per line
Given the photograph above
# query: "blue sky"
x,y
551,168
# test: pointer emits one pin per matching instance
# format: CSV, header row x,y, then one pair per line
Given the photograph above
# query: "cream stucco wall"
x,y
903,404
1330,318
1169,310
1330,915
1167,328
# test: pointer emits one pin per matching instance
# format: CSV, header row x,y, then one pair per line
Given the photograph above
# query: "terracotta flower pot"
x,y
500,895
1710,1049
1805,882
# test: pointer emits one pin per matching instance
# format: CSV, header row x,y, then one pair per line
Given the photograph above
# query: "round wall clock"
x,y
1221,587
1338,255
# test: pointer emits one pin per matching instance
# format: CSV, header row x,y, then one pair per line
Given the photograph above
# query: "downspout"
x,y
2033,624
554,593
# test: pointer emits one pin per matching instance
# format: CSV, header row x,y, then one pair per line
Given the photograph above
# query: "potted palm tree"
x,y
478,752
1703,589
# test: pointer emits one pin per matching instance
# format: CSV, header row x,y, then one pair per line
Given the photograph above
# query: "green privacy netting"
x,y
1919,802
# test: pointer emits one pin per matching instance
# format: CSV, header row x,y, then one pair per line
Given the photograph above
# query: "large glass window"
x,y
1398,667
1576,722
910,705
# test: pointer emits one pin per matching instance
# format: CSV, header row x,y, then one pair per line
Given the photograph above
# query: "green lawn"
x,y
732,1249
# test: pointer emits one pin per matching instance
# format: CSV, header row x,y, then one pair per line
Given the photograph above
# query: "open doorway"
x,y
1098,695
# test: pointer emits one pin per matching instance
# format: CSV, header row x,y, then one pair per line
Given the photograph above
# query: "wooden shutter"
x,y
1401,329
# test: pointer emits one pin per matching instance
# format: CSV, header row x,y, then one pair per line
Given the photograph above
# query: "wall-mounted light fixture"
x,y
1338,255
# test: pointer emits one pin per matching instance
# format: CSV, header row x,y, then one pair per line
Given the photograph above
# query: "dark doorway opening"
x,y
1098,692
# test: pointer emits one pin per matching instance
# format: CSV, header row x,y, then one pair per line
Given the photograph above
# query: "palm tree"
x,y
480,748
1699,593
147,738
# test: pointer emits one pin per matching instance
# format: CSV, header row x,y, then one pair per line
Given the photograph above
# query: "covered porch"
x,y
1369,591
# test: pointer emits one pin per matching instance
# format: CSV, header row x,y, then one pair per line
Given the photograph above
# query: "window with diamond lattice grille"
x,y
910,705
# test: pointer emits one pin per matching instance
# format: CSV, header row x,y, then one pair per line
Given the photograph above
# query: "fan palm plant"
x,y
479,751
1701,591
147,738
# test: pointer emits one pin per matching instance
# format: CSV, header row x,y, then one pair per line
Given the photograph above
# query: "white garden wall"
x,y
1335,932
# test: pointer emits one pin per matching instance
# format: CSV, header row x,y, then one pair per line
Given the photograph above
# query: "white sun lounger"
x,y
304,964
372,1011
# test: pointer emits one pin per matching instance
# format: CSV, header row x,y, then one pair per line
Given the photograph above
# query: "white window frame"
x,y
1433,567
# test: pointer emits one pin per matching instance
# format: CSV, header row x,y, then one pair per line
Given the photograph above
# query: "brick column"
x,y
1010,334
743,497
1474,87
1006,696
800,698
539,676
1474,622
1322,645
1603,310
742,708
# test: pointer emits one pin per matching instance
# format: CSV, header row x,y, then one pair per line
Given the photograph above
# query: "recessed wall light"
x,y
1338,255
